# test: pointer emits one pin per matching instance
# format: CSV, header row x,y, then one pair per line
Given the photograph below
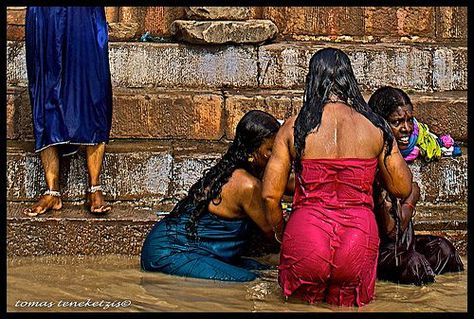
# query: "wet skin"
x,y
241,195
262,155
401,123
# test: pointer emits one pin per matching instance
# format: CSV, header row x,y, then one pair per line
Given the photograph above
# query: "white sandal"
x,y
102,209
48,192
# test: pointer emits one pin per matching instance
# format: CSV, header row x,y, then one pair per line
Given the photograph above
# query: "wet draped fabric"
x,y
68,76
410,258
215,255
427,145
330,243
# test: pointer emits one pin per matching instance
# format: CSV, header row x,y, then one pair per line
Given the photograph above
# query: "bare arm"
x,y
408,205
275,179
395,173
383,205
254,207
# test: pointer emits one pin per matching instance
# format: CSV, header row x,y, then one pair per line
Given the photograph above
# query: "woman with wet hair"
x,y
206,232
405,257
330,243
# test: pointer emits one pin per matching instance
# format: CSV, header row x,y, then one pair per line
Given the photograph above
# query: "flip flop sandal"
x,y
31,213
98,210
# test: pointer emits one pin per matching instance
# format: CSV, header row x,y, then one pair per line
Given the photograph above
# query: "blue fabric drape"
x,y
215,255
69,76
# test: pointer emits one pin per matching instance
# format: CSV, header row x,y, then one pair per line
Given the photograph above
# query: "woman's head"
x,y
330,77
395,107
253,140
250,150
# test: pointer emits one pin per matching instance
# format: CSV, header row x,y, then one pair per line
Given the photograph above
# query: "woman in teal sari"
x,y
206,232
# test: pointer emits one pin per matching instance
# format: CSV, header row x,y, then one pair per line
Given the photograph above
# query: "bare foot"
x,y
97,203
44,204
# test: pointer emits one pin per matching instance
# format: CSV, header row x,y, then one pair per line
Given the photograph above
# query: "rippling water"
x,y
115,283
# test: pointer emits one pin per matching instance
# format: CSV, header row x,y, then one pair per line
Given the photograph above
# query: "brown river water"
x,y
116,283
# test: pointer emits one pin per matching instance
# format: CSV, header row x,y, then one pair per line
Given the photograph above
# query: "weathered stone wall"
x,y
438,62
411,24
418,24
179,91
158,172
176,106
171,90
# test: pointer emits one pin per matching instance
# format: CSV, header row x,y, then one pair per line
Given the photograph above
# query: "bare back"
x,y
343,133
241,196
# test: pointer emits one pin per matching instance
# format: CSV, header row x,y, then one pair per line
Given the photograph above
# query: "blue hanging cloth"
x,y
68,76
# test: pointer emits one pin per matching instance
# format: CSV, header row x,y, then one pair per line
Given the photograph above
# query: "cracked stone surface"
x,y
221,32
217,13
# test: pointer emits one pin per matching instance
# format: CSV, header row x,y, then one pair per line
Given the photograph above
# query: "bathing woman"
x,y
405,257
206,232
330,244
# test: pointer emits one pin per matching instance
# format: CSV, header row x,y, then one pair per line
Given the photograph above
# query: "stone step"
x,y
440,217
211,115
420,67
162,171
147,171
73,231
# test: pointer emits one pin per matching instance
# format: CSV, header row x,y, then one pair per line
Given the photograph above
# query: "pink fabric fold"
x,y
330,245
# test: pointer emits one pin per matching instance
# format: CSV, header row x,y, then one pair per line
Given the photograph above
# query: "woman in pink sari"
x,y
330,244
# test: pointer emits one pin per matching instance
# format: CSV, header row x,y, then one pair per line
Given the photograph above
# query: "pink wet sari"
x,y
330,244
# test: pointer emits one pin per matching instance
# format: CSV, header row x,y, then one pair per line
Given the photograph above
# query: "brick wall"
x,y
207,88
386,24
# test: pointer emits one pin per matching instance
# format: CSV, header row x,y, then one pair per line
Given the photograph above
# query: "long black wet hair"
x,y
251,132
386,100
330,76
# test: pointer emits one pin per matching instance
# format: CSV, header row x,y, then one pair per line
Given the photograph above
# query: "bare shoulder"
x,y
373,135
285,133
288,125
285,136
244,182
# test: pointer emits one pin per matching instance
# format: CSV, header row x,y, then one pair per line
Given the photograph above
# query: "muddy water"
x,y
115,283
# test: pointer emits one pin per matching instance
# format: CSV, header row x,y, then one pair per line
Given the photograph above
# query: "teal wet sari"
x,y
216,254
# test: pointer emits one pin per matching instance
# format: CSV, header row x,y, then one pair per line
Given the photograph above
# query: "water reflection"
x,y
61,283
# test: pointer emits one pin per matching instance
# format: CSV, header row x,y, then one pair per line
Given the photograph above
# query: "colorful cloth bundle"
x,y
428,145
